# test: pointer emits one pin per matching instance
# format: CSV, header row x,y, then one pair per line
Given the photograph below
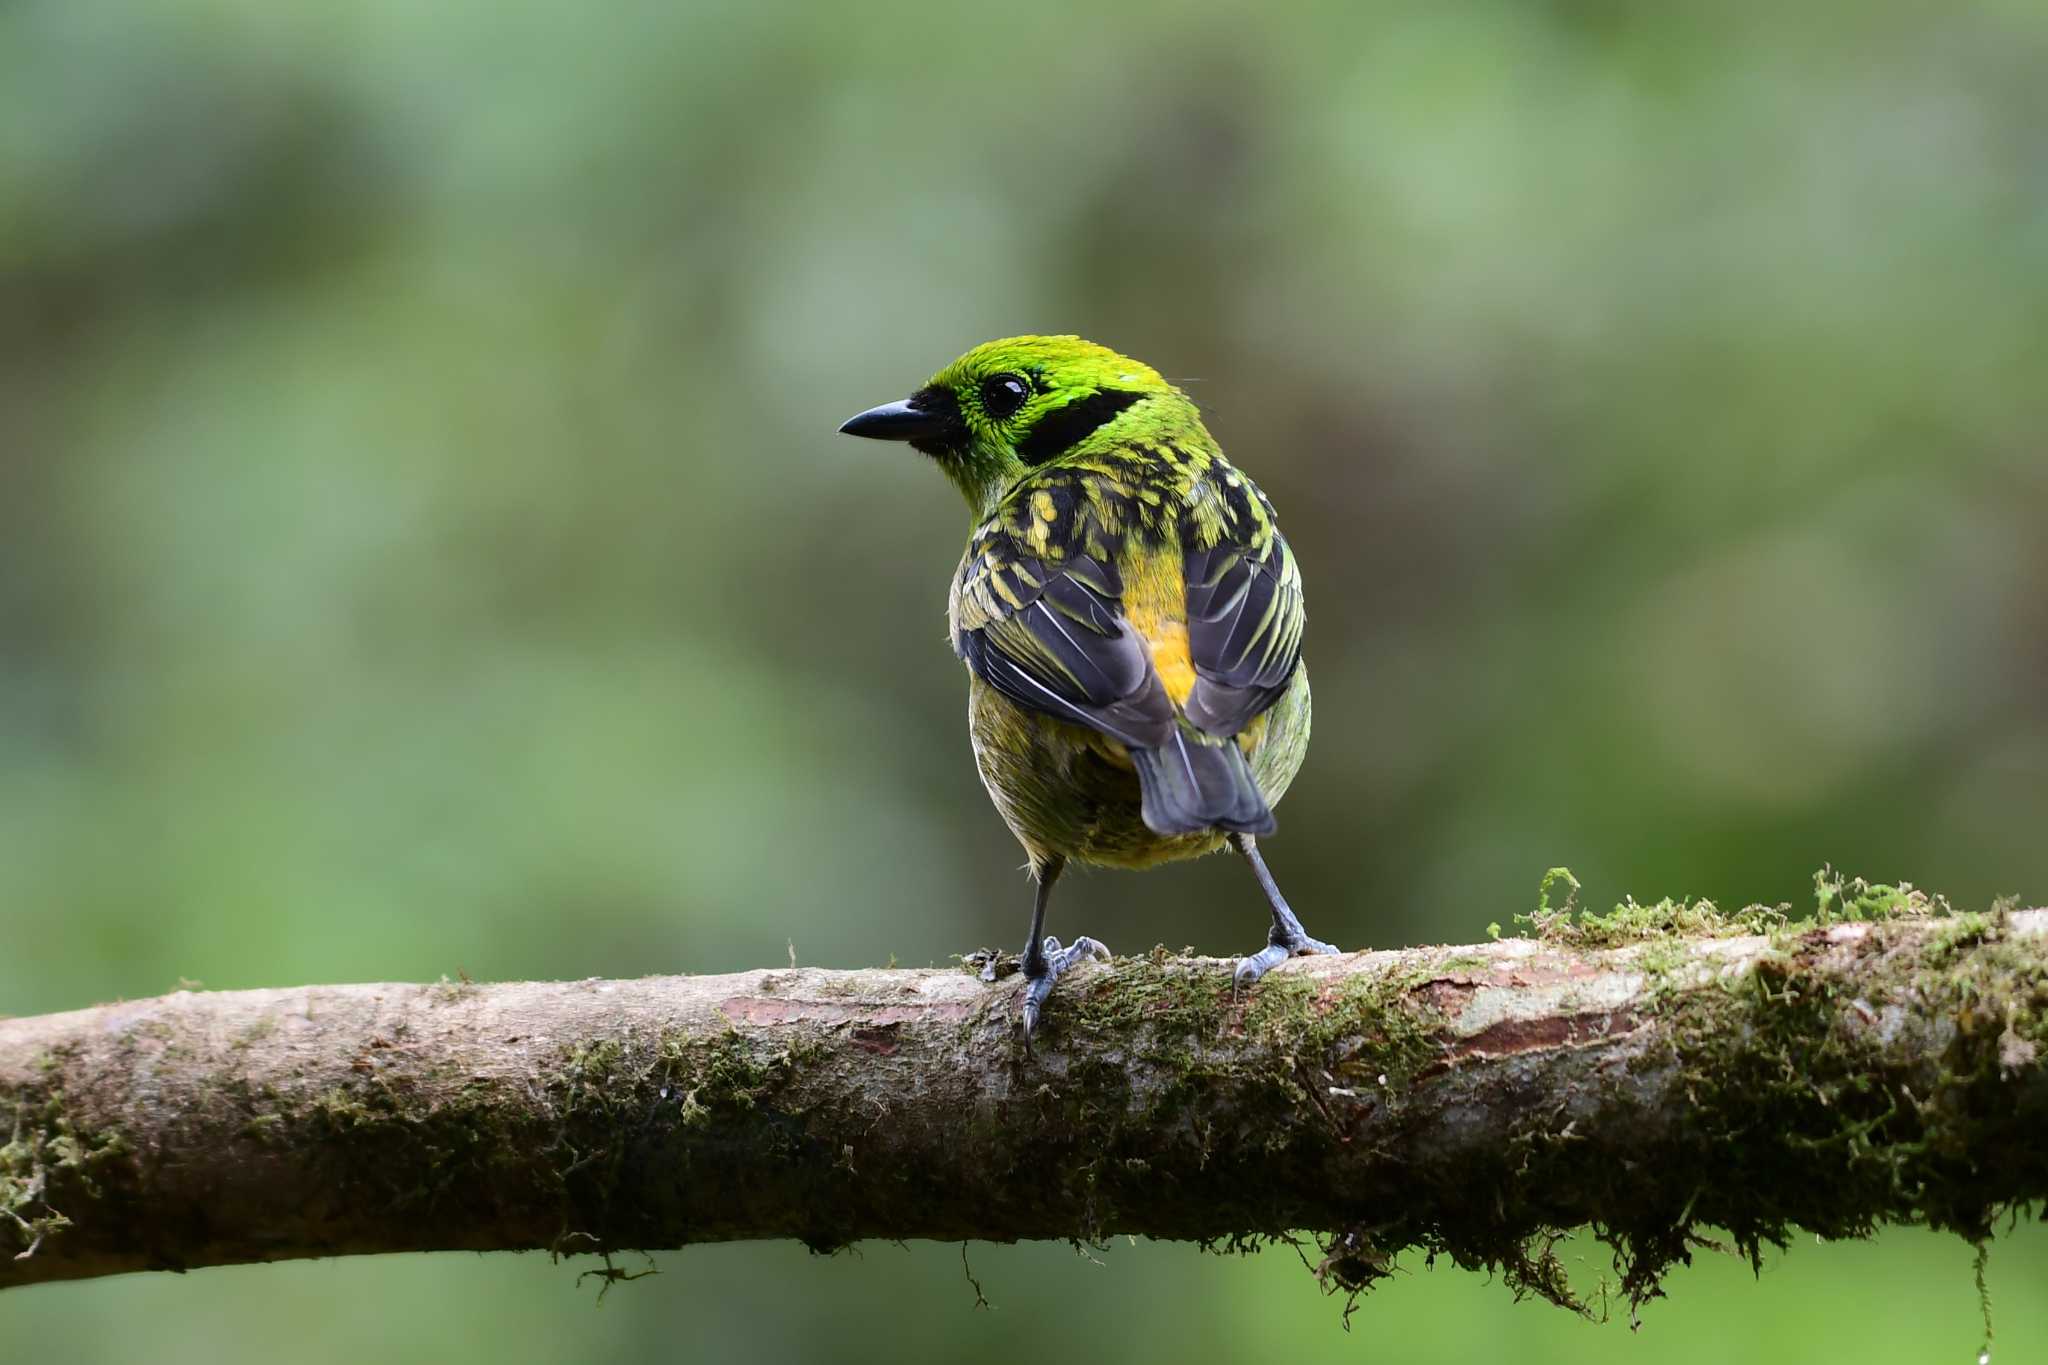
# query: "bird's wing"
x,y
1040,619
1245,617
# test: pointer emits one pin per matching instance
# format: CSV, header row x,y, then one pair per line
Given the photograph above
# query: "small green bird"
x,y
1129,616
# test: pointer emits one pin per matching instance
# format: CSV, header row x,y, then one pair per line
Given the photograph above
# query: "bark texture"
x,y
1647,1079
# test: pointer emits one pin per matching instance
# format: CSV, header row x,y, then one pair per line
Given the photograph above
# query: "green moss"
x,y
1784,1045
1956,933
446,992
264,1128
1659,958
341,1109
44,1151
1666,919
1838,899
719,1077
1244,1076
690,1103
591,1070
1841,1128
259,1028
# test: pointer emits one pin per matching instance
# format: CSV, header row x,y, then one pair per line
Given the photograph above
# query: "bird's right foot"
x,y
1279,947
1286,938
1046,966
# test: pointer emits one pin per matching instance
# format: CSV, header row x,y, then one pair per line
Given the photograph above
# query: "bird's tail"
x,y
1190,786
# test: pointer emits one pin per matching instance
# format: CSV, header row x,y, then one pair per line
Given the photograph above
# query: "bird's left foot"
x,y
1052,961
1278,949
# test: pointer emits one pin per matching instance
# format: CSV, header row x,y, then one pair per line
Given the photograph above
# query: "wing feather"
x,y
1053,638
1245,620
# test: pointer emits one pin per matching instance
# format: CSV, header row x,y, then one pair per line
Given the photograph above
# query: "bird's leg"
x,y
1044,958
1286,938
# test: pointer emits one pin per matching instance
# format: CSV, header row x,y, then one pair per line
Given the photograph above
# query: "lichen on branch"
x,y
1660,1074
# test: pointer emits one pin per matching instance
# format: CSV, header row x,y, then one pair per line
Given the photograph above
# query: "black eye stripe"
x,y
1064,428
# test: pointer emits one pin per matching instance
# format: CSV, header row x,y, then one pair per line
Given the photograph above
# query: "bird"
x,y
1130,618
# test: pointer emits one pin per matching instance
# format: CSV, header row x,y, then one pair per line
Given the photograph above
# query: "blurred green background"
x,y
424,544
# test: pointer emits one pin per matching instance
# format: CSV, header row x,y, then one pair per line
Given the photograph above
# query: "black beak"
x,y
913,419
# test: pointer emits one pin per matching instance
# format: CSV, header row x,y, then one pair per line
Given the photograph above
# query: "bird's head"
x,y
1010,406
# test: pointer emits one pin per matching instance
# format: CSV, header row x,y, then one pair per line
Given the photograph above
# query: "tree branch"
x,y
1467,1101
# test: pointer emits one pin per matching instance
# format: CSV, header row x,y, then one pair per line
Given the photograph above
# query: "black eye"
x,y
1003,394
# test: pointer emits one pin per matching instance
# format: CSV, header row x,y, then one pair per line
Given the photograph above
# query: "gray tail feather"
x,y
1190,786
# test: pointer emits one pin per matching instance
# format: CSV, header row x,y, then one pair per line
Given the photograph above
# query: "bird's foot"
x,y
1277,950
1056,961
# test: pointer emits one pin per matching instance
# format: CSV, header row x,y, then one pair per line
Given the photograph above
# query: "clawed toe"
x,y
1057,960
1034,1004
1084,946
1250,969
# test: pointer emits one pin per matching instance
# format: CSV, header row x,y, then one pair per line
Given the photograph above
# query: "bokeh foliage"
x,y
424,545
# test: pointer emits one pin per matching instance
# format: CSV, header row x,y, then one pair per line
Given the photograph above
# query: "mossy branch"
x,y
1649,1078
